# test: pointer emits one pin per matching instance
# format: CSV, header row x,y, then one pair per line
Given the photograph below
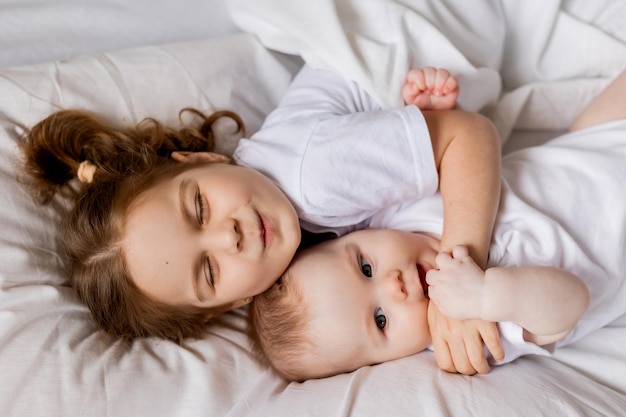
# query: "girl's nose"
x,y
225,236
393,285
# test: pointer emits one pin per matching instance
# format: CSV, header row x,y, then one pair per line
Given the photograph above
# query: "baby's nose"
x,y
394,285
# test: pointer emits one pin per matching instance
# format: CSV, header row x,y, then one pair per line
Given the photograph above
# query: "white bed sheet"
x,y
516,61
45,30
54,362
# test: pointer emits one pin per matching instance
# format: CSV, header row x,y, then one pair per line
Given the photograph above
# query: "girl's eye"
x,y
208,272
380,318
366,267
199,208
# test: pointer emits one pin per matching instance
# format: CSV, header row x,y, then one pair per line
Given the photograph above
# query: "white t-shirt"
x,y
563,204
324,145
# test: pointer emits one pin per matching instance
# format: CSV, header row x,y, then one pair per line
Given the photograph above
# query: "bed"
x,y
530,66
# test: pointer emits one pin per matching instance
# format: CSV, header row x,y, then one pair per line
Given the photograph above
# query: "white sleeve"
x,y
512,338
357,164
317,94
337,156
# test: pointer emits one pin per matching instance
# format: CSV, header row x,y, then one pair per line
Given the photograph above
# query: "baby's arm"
x,y
431,89
609,105
547,302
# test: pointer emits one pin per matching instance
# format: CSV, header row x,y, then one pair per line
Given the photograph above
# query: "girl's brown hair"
x,y
128,161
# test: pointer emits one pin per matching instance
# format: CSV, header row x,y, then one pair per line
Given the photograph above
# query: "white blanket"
x,y
523,59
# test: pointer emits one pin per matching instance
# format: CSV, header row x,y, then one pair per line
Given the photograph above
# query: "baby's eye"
x,y
381,319
366,267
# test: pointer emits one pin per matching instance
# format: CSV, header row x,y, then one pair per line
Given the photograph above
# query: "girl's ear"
x,y
242,302
195,157
231,306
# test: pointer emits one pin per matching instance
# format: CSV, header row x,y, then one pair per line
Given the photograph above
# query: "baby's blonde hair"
x,y
278,326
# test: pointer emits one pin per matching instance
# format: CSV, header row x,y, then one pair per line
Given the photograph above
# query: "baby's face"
x,y
365,293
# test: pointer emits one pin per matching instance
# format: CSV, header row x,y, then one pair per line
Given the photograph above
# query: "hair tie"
x,y
85,172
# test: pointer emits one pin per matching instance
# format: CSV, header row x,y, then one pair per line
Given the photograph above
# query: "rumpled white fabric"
x,y
516,61
45,30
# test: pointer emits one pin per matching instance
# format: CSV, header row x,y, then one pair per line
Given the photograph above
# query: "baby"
x,y
553,275
363,299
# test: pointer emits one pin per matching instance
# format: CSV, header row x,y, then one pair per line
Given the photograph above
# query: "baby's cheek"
x,y
414,334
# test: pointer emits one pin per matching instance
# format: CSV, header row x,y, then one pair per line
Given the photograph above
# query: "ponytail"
x,y
55,148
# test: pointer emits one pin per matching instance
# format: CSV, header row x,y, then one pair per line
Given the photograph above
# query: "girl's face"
x,y
211,236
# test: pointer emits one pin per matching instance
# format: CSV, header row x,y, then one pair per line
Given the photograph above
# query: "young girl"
x,y
119,169
554,274
159,247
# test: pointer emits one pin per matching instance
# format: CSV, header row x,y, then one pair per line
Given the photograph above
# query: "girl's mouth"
x,y
267,232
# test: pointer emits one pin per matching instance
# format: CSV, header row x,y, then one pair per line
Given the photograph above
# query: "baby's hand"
x,y
430,89
457,287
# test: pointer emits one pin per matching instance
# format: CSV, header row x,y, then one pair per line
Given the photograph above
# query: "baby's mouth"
x,y
422,274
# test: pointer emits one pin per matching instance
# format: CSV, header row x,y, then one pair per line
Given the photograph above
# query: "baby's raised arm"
x,y
546,301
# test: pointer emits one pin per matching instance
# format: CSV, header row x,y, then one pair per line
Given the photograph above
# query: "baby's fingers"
x,y
443,259
460,252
